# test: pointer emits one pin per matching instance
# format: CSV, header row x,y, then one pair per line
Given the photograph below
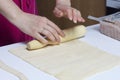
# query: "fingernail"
x,y
56,43
61,14
83,20
45,42
70,18
75,21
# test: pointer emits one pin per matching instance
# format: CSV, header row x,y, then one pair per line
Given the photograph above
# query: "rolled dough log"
x,y
71,33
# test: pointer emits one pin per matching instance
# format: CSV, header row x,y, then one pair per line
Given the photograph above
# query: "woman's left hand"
x,y
64,10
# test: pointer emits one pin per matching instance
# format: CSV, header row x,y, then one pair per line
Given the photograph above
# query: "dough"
x,y
71,33
73,60
12,71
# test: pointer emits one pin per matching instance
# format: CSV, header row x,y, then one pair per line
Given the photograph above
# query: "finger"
x,y
69,14
75,15
58,13
48,34
54,33
83,20
59,31
80,19
41,38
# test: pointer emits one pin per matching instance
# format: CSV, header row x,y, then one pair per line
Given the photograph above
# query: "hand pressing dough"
x,y
73,60
12,71
71,33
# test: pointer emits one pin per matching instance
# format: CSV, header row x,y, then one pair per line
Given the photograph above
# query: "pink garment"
x,y
11,34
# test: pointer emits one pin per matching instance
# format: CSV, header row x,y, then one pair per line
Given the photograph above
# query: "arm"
x,y
65,2
30,24
9,10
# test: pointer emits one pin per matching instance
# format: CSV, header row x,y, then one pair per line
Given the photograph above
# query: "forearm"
x,y
68,2
9,9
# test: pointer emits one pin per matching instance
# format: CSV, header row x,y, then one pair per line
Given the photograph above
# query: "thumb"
x,y
58,13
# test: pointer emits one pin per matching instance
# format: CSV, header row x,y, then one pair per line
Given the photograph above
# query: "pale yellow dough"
x,y
12,71
71,33
73,60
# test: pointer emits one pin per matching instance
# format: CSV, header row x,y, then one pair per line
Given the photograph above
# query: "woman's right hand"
x,y
33,25
38,27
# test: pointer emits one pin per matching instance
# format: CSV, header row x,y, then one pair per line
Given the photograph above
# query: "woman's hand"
x,y
38,27
63,9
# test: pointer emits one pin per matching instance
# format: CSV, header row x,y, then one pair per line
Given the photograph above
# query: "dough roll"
x,y
12,71
70,34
